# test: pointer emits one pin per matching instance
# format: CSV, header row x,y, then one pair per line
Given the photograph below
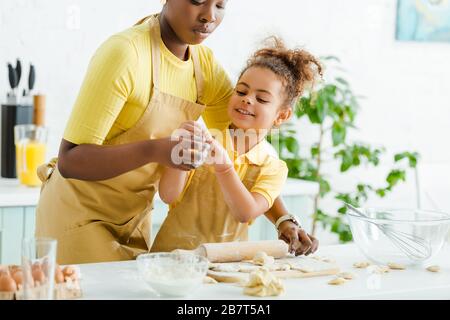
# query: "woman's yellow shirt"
x,y
117,87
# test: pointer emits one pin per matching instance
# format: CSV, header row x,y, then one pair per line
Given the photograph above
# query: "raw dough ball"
x,y
346,275
337,281
434,268
262,259
380,269
262,283
396,266
283,267
361,265
209,280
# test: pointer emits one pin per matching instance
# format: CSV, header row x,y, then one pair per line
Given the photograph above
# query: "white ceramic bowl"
x,y
405,236
172,274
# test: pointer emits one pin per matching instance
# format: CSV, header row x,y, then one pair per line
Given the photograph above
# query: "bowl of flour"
x,y
172,274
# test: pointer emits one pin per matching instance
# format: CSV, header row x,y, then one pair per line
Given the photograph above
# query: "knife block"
x,y
12,115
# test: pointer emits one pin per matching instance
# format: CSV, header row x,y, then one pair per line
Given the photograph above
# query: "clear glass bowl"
x,y
404,236
172,274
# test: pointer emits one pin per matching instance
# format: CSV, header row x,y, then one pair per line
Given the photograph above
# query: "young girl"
x,y
217,202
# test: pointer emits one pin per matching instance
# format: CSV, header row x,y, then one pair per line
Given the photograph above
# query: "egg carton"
x,y
62,291
67,287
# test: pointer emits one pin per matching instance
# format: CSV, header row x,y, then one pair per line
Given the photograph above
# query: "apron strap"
x,y
143,20
197,72
155,34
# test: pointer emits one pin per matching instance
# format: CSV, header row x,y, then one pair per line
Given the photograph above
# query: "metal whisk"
x,y
416,248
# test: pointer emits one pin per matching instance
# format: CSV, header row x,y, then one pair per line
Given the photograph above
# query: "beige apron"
x,y
109,220
202,216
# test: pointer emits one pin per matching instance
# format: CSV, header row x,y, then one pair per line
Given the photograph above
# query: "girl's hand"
x,y
299,241
218,157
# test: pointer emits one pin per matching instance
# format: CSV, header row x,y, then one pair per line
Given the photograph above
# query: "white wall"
x,y
407,85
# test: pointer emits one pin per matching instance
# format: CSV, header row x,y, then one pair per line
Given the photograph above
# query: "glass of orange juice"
x,y
31,145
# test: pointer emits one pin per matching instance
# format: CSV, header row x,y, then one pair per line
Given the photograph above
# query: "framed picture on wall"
x,y
423,20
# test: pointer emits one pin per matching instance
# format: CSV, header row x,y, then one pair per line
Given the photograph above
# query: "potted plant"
x,y
332,110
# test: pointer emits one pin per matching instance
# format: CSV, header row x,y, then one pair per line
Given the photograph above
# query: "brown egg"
x,y
18,277
68,271
3,270
13,269
37,273
59,275
7,284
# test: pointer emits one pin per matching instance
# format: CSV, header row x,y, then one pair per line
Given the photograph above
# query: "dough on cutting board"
x,y
209,280
396,266
434,268
262,283
226,267
346,275
379,269
262,259
362,264
337,281
303,264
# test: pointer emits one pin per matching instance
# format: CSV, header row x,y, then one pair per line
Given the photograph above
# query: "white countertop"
x,y
120,281
13,194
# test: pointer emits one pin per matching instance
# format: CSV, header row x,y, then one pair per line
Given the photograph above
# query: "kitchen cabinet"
x,y
18,203
16,223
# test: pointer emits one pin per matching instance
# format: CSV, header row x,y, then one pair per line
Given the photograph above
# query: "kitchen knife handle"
x,y
31,78
12,75
18,71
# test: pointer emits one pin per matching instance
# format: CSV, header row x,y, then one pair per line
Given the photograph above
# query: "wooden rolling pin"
x,y
238,251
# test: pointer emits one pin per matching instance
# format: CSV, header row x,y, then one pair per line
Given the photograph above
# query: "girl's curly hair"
x,y
297,68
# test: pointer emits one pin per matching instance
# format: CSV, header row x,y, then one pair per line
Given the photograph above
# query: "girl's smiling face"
x,y
257,101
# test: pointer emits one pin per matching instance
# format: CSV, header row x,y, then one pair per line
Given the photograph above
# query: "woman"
x,y
141,84
240,180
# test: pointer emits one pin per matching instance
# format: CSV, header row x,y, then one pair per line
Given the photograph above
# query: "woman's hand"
x,y
192,145
299,241
166,147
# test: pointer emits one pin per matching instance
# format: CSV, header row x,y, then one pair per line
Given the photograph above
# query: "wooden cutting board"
x,y
300,267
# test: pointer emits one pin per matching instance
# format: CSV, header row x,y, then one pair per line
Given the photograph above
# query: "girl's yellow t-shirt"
x,y
117,87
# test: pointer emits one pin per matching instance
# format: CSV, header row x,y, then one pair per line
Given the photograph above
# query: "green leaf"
x,y
381,192
411,156
314,151
338,133
321,107
324,187
303,105
312,115
395,176
335,227
346,159
342,81
342,210
292,145
346,236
